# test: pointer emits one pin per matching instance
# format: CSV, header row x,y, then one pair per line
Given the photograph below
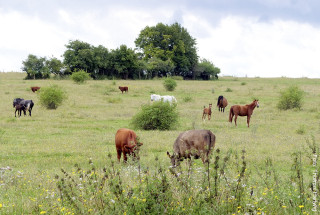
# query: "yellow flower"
x,y
43,212
0,205
239,207
143,200
301,206
284,206
259,213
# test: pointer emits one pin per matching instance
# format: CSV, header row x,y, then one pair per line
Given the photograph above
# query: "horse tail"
x,y
231,114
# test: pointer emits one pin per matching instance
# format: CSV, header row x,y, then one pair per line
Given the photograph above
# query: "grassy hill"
x,y
83,128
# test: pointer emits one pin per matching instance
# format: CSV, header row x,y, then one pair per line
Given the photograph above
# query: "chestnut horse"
x,y
242,110
222,103
206,111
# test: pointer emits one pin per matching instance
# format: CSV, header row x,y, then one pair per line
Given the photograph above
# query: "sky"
x,y
244,38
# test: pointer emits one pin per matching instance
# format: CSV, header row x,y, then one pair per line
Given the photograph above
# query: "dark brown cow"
x,y
197,143
34,89
126,142
125,89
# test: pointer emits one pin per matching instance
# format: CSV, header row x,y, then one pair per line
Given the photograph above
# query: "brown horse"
x,y
206,111
242,110
222,103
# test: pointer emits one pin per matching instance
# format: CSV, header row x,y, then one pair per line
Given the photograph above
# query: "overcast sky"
x,y
254,38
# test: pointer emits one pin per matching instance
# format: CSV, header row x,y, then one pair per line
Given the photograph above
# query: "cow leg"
x,y
15,113
124,156
119,154
29,112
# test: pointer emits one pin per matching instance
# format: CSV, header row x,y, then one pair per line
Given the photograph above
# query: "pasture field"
x,y
269,179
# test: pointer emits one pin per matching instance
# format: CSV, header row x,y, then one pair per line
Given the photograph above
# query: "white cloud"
x,y
243,46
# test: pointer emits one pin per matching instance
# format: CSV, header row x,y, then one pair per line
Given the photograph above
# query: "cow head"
x,y
174,159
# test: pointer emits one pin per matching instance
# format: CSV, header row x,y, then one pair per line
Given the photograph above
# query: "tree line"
x,y
161,51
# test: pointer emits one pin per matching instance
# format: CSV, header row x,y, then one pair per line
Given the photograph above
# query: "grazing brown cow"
x,y
207,111
126,142
197,143
34,89
125,89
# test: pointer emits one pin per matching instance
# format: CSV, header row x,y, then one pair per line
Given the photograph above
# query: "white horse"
x,y
170,99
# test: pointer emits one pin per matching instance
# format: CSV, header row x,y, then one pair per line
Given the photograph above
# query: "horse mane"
x,y
219,99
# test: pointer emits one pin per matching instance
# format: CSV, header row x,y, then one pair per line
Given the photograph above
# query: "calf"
x,y
126,142
197,143
34,89
125,89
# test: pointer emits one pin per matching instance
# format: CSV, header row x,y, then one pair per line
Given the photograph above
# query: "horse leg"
x,y
248,120
235,119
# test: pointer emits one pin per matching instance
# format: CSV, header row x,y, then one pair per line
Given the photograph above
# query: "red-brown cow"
x,y
125,89
34,89
126,143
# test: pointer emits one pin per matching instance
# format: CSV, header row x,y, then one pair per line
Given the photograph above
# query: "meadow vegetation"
x,y
63,161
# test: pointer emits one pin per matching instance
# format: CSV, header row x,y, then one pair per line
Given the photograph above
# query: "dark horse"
x,y
28,105
242,110
222,103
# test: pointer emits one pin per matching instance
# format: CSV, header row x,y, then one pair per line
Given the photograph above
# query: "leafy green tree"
x,y
35,67
125,62
102,63
56,67
159,68
169,42
206,70
79,55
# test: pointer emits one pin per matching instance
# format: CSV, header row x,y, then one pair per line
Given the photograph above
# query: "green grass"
x,y
84,126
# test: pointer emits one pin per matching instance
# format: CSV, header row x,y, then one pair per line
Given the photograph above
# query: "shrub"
x,y
169,84
52,97
291,98
160,115
80,77
228,90
187,99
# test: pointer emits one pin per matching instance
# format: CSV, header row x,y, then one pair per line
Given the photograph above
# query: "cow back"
x,y
194,141
124,137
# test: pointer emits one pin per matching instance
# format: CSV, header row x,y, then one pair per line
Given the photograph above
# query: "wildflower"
x,y
0,205
301,206
143,200
264,194
43,212
284,206
239,207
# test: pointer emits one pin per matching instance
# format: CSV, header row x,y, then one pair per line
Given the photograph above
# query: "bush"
x,y
160,115
291,98
80,77
52,97
169,84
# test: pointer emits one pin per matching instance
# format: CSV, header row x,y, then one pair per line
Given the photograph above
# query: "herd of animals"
x,y
195,143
